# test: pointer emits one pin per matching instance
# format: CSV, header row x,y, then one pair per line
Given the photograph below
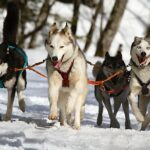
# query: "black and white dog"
x,y
117,88
11,56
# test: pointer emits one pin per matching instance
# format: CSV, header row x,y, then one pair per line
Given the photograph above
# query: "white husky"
x,y
140,80
67,76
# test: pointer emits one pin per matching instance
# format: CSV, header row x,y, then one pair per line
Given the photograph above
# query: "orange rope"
x,y
92,82
103,81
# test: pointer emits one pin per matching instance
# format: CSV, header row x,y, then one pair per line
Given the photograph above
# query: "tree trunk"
x,y
148,32
111,28
75,16
41,20
91,31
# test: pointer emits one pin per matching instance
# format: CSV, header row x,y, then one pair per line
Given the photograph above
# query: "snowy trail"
x,y
25,132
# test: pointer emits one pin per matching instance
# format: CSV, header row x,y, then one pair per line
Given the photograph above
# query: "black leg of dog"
x,y
125,106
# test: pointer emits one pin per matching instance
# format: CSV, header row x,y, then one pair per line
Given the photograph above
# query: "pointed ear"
x,y
137,40
107,55
67,31
53,28
119,54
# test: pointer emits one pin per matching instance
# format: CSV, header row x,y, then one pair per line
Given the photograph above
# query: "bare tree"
x,y
40,21
75,16
89,36
148,32
111,28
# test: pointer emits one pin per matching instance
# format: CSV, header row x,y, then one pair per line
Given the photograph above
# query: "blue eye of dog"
x,y
61,46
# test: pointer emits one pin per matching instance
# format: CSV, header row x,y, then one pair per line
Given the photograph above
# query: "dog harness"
x,y
22,53
65,75
116,92
144,85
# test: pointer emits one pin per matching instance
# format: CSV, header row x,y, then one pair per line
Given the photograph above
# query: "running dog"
x,y
140,80
116,88
67,76
11,56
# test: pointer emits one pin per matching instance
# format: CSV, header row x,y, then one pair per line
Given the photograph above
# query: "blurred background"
x,y
98,25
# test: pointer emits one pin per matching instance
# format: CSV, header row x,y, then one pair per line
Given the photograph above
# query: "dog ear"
x,y
67,31
119,51
53,29
107,55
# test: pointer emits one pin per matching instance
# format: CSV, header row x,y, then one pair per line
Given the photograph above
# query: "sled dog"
x,y
67,76
140,80
11,56
116,88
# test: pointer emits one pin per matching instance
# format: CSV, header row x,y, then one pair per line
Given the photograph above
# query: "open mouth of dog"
x,y
142,60
57,64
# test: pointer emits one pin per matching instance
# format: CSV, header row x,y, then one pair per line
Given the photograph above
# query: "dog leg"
x,y
99,99
146,121
125,106
117,104
54,86
20,92
114,123
134,106
11,96
143,103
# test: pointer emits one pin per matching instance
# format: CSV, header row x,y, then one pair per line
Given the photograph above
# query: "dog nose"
x,y
54,58
143,54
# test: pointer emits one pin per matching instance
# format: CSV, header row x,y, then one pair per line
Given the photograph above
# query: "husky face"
x,y
140,51
3,63
60,45
113,64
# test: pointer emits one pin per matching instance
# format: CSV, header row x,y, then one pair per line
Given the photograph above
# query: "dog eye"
x,y
51,46
138,47
148,48
61,46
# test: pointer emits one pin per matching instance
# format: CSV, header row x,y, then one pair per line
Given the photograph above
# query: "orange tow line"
x,y
92,82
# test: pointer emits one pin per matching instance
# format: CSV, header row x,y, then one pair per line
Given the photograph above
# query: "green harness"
x,y
23,54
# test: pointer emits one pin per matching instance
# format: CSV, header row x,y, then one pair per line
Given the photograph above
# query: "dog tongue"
x,y
57,64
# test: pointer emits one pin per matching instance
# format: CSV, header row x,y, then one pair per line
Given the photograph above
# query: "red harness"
x,y
65,75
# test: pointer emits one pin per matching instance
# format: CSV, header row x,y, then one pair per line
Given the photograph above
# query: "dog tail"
x,y
96,68
11,22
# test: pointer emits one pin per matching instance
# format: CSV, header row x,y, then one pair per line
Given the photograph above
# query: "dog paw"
x,y
76,127
140,118
115,124
52,117
22,105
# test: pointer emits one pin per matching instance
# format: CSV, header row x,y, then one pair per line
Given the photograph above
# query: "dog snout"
x,y
143,54
54,58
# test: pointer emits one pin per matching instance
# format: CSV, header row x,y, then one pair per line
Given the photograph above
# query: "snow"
x,y
33,131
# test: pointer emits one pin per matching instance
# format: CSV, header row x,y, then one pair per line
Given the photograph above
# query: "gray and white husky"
x,y
140,80
67,76
116,88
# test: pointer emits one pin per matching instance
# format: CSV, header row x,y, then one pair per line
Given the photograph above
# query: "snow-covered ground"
x,y
32,131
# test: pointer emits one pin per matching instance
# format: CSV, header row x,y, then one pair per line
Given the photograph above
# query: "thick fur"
x,y
10,59
70,100
142,71
110,66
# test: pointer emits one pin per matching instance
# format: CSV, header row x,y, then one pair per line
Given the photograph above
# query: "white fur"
x,y
143,74
10,83
3,69
71,100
